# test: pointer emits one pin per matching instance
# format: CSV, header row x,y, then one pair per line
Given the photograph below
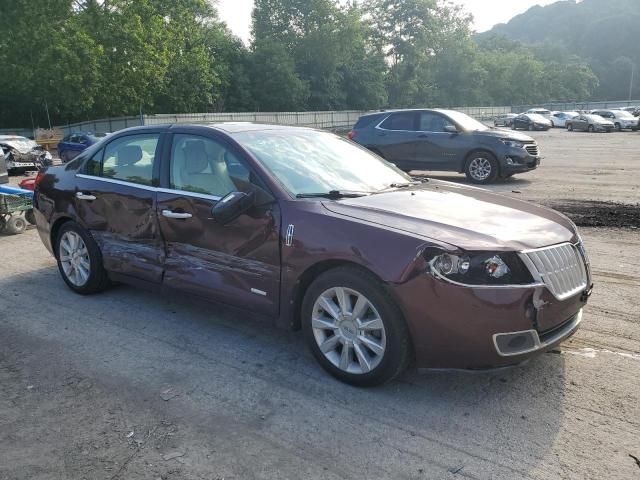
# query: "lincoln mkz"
x,y
318,233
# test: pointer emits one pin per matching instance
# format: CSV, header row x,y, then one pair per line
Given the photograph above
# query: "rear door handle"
x,y
85,196
170,214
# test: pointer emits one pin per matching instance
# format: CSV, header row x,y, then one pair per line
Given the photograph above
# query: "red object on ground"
x,y
28,183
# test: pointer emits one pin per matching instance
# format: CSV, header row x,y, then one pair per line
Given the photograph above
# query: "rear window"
x,y
367,120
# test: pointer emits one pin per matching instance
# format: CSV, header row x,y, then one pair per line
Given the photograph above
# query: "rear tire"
x,y
481,168
570,127
16,225
618,127
80,260
385,349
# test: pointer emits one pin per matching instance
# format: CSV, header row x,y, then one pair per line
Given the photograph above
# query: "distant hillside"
x,y
606,33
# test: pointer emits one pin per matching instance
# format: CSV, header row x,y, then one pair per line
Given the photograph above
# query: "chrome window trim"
x,y
203,196
116,181
151,189
378,127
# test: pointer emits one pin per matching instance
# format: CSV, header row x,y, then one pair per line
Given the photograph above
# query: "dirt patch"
x,y
599,214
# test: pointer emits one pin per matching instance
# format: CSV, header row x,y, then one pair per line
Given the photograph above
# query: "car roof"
x,y
226,127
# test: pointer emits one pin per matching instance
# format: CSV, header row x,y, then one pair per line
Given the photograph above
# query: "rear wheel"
x,y
354,329
16,224
482,168
570,127
80,260
618,127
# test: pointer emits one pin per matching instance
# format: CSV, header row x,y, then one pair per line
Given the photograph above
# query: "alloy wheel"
x,y
480,169
74,258
348,330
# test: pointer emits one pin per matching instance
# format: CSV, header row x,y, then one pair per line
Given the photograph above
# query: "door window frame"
x,y
155,169
415,122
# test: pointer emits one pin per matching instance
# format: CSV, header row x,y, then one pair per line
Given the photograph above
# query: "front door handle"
x,y
170,214
85,196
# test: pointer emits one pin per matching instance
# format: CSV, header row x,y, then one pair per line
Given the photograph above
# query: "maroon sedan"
x,y
320,234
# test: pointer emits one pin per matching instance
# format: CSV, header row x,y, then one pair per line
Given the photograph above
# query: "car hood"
x,y
508,134
469,218
22,145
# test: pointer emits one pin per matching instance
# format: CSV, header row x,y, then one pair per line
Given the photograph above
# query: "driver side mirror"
x,y
450,129
231,206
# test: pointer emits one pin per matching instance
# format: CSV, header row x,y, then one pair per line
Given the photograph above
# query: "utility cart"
x,y
16,209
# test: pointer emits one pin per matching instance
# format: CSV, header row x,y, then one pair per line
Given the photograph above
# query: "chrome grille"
x,y
561,268
532,149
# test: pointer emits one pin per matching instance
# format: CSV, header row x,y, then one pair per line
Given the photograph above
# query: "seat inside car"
x,y
128,163
199,167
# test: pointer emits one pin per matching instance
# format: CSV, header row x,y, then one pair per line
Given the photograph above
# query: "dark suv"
x,y
446,140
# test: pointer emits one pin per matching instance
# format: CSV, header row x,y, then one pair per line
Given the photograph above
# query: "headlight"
x,y
480,268
512,143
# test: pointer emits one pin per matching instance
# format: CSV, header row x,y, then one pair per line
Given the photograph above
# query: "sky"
x,y
486,13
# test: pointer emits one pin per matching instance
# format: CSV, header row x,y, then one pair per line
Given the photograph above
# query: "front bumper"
x,y
513,344
456,328
518,160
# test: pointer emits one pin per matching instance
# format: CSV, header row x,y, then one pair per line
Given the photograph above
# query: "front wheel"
x,y
354,328
16,225
80,260
531,127
482,168
570,127
591,129
618,127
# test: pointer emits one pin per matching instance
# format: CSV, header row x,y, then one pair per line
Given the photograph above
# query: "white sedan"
x,y
559,119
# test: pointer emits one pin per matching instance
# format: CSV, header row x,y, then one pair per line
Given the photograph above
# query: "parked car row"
x,y
378,269
603,120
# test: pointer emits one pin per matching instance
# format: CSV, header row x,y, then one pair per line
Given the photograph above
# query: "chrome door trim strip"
x,y
117,182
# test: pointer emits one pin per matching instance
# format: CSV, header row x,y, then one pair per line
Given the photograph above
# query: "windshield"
x,y
465,121
308,161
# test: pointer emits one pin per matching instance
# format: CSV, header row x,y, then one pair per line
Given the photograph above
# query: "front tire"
x,y
570,127
618,127
354,328
16,225
80,260
591,129
482,168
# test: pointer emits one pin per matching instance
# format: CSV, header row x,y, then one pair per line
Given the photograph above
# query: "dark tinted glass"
x,y
400,121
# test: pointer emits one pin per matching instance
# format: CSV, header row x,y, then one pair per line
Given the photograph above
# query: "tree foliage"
x,y
96,58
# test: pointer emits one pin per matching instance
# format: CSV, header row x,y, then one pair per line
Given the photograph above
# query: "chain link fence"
x,y
335,120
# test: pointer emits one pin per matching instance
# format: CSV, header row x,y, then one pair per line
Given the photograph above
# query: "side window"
x,y
400,121
432,122
203,165
131,158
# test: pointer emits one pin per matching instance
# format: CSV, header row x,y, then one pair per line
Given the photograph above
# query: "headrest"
x,y
129,155
195,156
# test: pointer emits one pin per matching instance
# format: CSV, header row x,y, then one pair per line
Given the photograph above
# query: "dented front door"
x,y
238,263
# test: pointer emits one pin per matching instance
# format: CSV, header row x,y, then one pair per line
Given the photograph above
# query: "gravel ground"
x,y
131,385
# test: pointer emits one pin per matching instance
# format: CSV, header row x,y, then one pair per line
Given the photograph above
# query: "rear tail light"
x,y
351,135
39,178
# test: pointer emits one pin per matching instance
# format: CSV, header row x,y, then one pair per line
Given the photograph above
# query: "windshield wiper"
x,y
333,194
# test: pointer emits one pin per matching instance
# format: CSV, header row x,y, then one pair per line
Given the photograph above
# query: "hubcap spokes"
x,y
480,168
74,258
348,330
